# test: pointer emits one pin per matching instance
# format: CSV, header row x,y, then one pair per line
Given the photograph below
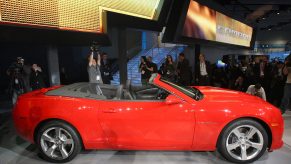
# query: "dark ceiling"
x,y
264,14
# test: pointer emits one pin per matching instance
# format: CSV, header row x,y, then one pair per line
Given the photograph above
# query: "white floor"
x,y
14,150
287,130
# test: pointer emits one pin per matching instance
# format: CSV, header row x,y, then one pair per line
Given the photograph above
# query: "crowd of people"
x,y
25,77
260,77
180,71
269,80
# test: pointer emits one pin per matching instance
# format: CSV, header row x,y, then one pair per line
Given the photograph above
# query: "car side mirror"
x,y
171,99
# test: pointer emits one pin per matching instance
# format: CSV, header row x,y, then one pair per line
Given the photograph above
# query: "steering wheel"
x,y
161,95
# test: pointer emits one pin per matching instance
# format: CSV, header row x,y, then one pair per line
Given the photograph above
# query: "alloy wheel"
x,y
244,142
57,143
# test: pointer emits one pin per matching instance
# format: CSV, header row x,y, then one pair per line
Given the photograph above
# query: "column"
x,y
190,55
151,39
53,65
197,53
122,59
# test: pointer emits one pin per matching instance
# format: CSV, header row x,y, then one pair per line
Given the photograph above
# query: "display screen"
x,y
77,15
204,23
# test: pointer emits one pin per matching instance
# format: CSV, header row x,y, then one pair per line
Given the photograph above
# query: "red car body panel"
x,y
220,107
148,125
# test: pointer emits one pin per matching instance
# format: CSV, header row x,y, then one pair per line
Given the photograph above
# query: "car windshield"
x,y
189,91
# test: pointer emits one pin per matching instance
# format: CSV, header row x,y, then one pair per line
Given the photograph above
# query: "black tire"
x,y
74,136
227,132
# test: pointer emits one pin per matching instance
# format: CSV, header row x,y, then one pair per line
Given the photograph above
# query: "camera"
x,y
16,69
20,60
288,61
95,47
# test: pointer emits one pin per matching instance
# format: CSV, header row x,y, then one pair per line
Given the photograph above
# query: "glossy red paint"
x,y
178,123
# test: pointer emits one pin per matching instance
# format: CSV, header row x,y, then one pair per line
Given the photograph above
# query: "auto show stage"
x,y
14,150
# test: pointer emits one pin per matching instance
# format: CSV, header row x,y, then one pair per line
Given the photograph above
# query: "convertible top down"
x,y
161,116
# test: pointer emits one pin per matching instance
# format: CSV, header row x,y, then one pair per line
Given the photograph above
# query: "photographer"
x,y
94,66
152,65
257,90
287,88
36,78
19,78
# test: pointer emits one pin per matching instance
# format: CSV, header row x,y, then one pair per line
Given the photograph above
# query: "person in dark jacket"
x,y
287,88
262,72
22,71
152,64
277,84
105,69
36,78
169,69
203,71
183,71
145,70
64,77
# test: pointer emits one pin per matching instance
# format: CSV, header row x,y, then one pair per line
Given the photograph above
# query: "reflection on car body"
x,y
160,116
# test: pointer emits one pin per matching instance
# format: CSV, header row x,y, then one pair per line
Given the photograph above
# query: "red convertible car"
x,y
63,120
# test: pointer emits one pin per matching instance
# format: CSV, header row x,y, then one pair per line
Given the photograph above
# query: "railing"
x,y
133,72
130,69
133,68
172,50
131,53
114,66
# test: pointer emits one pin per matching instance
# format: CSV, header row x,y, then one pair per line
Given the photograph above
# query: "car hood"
x,y
225,95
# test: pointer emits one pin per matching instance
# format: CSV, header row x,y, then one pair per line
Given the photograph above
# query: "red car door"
x,y
147,124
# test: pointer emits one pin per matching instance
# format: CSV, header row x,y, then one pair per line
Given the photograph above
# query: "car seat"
x,y
119,93
128,90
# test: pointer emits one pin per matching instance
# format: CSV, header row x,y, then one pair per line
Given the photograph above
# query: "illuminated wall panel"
x,y
78,14
204,23
43,12
81,15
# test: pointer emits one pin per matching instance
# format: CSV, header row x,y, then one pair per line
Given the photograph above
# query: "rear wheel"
x,y
243,141
58,142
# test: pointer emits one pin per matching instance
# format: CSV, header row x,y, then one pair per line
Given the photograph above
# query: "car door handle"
x,y
111,110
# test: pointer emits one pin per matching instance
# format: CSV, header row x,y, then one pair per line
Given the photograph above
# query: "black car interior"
x,y
148,92
110,92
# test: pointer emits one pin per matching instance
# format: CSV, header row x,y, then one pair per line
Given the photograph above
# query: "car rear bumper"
x,y
22,123
21,126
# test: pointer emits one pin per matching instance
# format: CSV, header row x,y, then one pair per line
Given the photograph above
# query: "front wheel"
x,y
58,142
243,141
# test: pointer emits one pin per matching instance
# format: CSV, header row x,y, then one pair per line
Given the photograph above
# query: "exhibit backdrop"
x,y
204,23
73,15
